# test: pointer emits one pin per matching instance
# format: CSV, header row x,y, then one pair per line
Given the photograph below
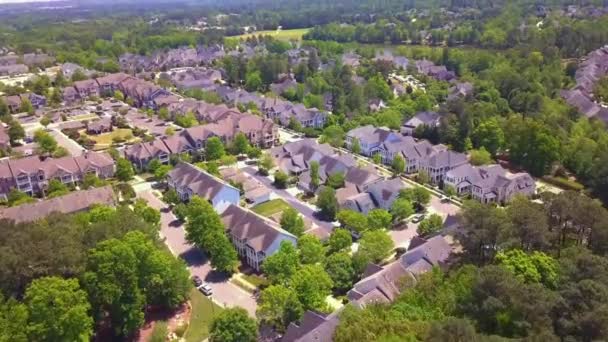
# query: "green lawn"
x,y
295,34
255,280
271,207
203,311
105,139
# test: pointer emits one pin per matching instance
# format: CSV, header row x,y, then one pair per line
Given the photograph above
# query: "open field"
x,y
105,139
295,34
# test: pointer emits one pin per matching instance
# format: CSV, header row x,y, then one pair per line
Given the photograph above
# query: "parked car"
x,y
205,289
417,218
197,281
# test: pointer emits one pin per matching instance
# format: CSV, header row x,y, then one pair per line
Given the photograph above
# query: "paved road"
x,y
224,292
62,140
292,200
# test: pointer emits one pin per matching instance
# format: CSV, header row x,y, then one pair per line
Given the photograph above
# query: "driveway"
x,y
62,140
224,292
292,200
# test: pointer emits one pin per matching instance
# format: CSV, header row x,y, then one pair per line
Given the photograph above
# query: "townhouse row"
x,y
445,167
31,175
260,132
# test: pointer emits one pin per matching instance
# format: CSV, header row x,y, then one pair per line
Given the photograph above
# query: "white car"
x,y
205,289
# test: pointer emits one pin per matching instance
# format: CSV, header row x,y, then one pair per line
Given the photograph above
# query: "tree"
x,y
45,121
398,165
26,106
282,265
253,81
161,172
111,279
16,197
265,164
379,219
294,124
205,229
480,157
91,180
537,267
214,149
374,246
418,195
333,135
46,143
170,131
15,131
233,325
56,97
153,165
163,114
311,249
355,146
56,188
78,75
58,310
353,221
340,268
423,177
401,209
279,306
119,95
489,136
240,145
453,330
339,240
280,179
124,170
312,285
327,203
336,180
314,175
430,225
377,158
482,226
529,228
378,88
292,222
450,191
13,320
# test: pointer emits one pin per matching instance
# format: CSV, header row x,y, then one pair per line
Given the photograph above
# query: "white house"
x,y
188,180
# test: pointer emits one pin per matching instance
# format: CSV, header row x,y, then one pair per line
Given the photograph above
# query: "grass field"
x,y
203,311
295,34
105,139
271,207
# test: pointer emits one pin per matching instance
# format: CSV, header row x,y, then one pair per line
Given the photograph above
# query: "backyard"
x,y
271,208
105,140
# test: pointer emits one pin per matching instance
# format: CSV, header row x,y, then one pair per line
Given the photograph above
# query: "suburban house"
x,y
103,125
142,153
13,69
460,90
8,60
194,78
5,140
313,327
254,237
370,138
70,95
189,180
14,101
32,174
351,59
377,195
428,119
284,111
489,183
87,88
141,92
284,84
382,284
110,83
70,203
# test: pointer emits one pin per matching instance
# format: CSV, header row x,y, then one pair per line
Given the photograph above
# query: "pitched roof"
x,y
313,327
67,204
198,181
256,231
